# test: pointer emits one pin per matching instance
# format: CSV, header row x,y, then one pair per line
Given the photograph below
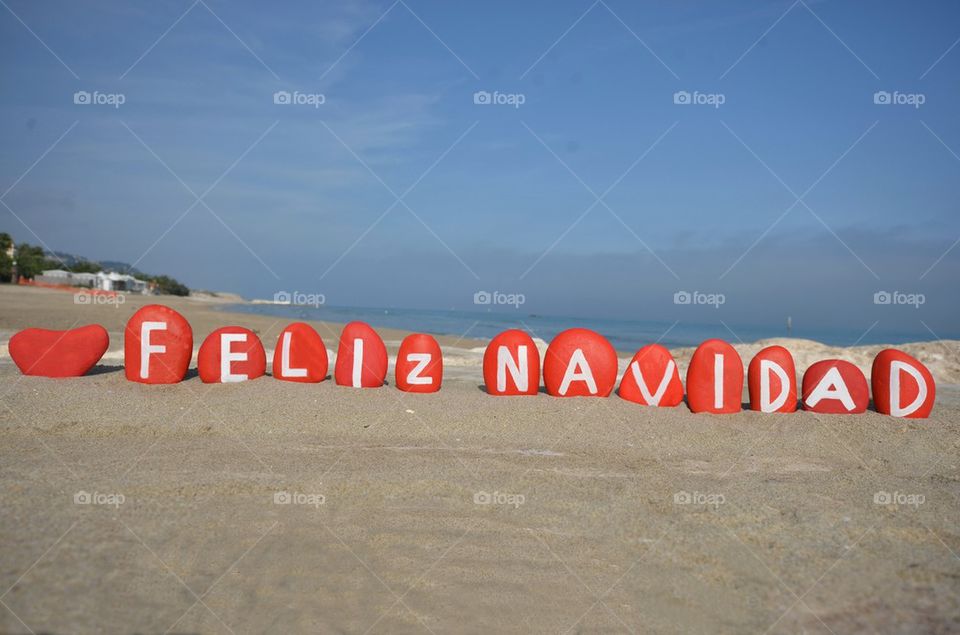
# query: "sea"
x,y
625,335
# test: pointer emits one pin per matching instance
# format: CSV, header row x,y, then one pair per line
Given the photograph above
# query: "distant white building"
x,y
102,280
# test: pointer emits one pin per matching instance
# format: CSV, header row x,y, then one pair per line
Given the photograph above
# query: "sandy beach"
x,y
276,507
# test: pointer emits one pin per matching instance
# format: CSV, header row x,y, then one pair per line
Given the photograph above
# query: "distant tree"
x,y
86,266
32,261
6,262
168,286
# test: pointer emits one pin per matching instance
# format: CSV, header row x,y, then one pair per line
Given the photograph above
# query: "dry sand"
x,y
589,531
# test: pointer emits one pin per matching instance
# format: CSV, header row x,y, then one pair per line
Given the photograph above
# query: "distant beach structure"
x,y
102,281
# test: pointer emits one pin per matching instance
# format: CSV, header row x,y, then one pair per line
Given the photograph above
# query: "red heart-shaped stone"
x,y
68,353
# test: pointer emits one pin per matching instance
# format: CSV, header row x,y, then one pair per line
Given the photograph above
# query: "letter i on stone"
x,y
715,378
361,357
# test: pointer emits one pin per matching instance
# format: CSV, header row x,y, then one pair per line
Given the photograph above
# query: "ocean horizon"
x,y
623,334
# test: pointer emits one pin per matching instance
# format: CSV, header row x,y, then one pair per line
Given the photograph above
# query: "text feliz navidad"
x,y
158,348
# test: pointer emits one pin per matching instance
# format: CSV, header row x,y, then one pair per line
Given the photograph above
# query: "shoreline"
x,y
24,307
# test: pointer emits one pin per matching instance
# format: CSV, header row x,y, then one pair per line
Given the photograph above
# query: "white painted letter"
x,y
578,370
654,399
414,378
765,404
146,348
895,409
227,356
517,368
718,381
831,386
357,363
285,359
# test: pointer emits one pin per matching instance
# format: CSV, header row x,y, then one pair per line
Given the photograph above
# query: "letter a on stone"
x,y
580,363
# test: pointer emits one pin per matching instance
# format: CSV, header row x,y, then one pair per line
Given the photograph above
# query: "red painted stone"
x,y
580,363
833,386
715,383
902,386
157,346
419,365
652,378
68,353
511,364
361,357
772,379
231,354
300,355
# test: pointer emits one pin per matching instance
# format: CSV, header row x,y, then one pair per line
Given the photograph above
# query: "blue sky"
x,y
701,198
